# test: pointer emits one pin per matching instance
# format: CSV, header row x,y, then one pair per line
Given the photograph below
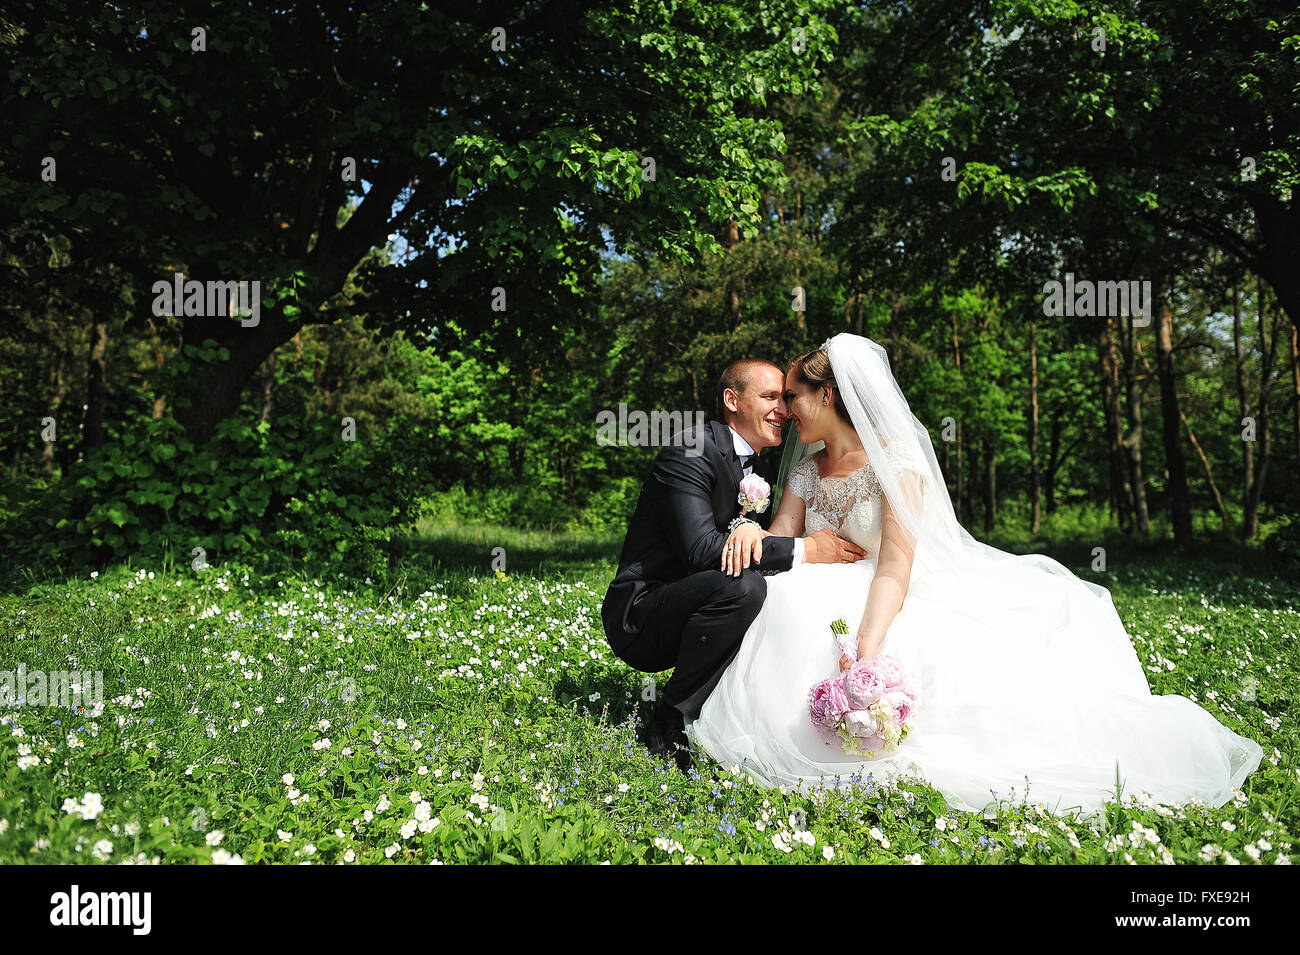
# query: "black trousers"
x,y
695,626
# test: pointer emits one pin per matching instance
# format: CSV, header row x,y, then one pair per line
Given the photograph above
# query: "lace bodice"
x,y
850,506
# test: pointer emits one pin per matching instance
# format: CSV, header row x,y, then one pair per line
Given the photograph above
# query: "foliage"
x,y
289,483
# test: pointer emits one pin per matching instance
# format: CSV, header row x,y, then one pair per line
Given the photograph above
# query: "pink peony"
x,y
901,703
889,670
863,684
755,493
827,703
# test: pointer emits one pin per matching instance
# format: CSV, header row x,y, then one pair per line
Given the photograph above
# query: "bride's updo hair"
x,y
814,370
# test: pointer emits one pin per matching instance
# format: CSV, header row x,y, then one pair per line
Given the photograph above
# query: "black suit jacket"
x,y
680,524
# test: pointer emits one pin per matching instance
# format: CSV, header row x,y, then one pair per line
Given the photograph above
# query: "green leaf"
x,y
118,515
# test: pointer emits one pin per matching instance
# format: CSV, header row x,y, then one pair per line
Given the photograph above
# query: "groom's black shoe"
x,y
666,735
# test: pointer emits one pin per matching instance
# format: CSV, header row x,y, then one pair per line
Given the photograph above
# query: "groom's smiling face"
x,y
759,410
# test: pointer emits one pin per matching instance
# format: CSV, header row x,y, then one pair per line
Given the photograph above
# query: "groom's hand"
x,y
827,547
743,546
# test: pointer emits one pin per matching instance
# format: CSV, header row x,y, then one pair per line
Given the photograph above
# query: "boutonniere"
x,y
755,494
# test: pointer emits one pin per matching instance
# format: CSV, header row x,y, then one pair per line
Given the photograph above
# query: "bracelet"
x,y
736,522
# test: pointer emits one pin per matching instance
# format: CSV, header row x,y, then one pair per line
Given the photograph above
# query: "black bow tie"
x,y
745,459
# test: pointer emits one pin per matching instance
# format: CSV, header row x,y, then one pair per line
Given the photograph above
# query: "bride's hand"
x,y
846,662
743,546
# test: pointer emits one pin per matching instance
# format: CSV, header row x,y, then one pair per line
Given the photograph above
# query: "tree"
x,y
499,142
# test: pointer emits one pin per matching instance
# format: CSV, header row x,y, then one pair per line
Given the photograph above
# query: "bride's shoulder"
x,y
804,475
904,458
810,463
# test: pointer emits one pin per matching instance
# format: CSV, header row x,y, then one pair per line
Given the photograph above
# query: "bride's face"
x,y
811,417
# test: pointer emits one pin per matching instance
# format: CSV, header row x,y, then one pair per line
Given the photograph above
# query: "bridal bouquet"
x,y
868,707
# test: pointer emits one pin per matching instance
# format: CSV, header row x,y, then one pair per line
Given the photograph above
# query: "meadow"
x,y
452,714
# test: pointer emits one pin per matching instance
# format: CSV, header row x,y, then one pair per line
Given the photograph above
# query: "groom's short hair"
x,y
737,378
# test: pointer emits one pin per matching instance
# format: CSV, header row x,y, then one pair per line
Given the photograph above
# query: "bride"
x,y
1029,687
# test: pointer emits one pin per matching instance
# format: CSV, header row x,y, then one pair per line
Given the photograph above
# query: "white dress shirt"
x,y
742,448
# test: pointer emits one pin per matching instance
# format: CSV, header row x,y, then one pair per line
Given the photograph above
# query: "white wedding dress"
x,y
1008,710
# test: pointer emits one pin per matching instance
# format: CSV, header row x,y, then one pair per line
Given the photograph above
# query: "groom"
x,y
670,604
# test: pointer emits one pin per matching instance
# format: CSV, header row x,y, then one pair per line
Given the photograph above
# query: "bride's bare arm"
x,y
789,518
893,573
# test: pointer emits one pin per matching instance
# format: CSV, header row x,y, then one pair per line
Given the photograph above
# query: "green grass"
x,y
496,699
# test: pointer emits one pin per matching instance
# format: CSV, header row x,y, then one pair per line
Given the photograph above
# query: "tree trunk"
x,y
1209,477
60,389
967,483
1205,461
1180,507
1267,349
268,386
1295,387
990,487
212,391
1121,501
92,429
974,483
1279,230
515,449
1132,442
1243,412
1049,476
1035,474
160,397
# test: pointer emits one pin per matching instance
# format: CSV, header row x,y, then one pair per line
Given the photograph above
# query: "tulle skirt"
x,y
1029,690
